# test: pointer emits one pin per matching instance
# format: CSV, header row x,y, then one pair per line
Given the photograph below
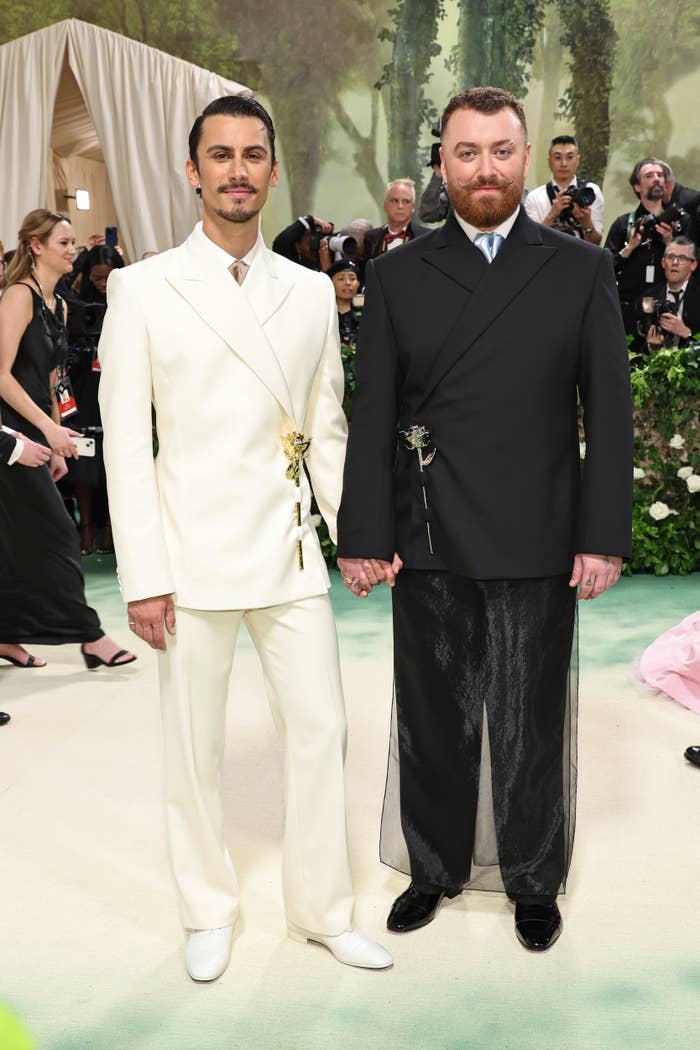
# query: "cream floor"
x,y
91,949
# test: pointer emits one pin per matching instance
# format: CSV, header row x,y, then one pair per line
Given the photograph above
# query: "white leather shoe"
x,y
208,952
353,947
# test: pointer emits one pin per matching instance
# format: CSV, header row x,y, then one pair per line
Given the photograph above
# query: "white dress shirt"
x,y
504,229
18,449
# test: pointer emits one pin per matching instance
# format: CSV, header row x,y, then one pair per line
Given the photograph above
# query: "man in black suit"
x,y
463,472
399,205
675,327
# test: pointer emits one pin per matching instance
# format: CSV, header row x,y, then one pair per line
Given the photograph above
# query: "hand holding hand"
x,y
595,573
148,616
361,575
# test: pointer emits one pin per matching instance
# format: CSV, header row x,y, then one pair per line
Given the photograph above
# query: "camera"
x,y
85,320
654,308
672,214
337,242
581,195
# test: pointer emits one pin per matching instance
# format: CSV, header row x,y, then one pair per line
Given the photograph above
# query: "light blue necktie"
x,y
489,244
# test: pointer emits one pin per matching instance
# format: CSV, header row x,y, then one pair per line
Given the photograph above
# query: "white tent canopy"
x,y
75,98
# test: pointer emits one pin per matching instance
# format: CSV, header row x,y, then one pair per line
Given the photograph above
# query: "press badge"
x,y
95,362
67,405
649,278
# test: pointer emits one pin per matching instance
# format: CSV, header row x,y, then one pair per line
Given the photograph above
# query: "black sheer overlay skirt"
x,y
481,782
42,593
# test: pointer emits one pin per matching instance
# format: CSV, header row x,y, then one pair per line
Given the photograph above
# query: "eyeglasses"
x,y
679,258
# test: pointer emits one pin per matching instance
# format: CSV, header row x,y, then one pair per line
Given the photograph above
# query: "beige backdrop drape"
x,y
142,103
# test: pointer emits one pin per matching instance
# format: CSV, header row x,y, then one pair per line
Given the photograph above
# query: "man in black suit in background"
x,y
399,205
463,473
681,291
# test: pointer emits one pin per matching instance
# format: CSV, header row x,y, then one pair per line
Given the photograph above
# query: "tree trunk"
x,y
551,59
414,47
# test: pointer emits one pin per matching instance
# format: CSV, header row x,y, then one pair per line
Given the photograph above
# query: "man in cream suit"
x,y
237,349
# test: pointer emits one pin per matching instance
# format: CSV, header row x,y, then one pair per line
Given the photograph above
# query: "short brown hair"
x,y
484,100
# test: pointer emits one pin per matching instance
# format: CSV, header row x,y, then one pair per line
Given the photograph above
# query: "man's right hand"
x,y
361,575
560,203
34,454
149,616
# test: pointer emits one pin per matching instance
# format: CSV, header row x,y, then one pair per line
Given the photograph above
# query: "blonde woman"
x,y
42,598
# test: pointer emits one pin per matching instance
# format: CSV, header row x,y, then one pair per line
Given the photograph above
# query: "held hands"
x,y
594,573
360,575
59,438
148,616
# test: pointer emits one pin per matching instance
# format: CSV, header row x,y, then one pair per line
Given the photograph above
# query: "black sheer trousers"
x,y
485,734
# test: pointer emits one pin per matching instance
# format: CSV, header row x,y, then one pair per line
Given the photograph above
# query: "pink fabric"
x,y
672,662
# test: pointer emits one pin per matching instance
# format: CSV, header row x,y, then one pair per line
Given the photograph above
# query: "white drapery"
x,y
141,102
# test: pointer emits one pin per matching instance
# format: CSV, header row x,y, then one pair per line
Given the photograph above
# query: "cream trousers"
x,y
298,649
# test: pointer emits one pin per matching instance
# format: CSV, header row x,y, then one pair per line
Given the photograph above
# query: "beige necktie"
x,y
239,269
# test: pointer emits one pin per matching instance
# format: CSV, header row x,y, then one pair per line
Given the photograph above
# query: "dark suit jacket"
x,y
373,238
490,358
7,446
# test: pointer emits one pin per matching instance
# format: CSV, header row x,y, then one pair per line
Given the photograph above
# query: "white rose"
x,y
684,472
693,483
677,441
315,520
659,511
638,474
582,450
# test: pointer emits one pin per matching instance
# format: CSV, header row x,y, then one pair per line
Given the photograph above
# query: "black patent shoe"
x,y
4,718
692,754
414,909
537,926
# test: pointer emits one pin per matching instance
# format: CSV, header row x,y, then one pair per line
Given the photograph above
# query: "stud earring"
x,y
198,190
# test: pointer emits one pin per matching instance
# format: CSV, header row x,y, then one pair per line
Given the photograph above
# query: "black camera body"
x,y
583,195
85,321
673,215
337,242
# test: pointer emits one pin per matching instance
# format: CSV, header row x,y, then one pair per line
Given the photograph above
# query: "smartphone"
x,y
85,446
111,238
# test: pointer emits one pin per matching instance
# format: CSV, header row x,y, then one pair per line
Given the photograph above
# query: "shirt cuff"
x,y
19,449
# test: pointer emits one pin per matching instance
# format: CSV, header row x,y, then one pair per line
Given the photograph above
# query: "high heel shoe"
x,y
92,661
87,538
31,661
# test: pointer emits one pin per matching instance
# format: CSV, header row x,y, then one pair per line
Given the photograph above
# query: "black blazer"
x,y
373,238
7,446
490,358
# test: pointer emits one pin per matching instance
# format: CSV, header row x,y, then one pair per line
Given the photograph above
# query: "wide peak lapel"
x,y
452,253
266,287
521,257
222,306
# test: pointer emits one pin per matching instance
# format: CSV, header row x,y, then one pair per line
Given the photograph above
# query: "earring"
x,y
198,190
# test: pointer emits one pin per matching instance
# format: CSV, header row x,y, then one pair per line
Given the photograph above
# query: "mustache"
x,y
494,181
237,185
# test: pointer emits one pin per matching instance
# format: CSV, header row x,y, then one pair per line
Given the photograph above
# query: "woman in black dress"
x,y
42,598
86,475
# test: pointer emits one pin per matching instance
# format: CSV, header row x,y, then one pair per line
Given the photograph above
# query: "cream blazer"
x,y
229,371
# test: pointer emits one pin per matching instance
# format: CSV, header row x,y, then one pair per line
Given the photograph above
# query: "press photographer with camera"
x,y
638,238
567,203
312,243
86,476
669,313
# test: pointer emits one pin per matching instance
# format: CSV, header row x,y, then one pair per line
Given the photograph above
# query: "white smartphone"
x,y
85,446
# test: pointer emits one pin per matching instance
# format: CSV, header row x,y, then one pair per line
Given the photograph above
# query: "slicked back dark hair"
x,y
231,106
484,100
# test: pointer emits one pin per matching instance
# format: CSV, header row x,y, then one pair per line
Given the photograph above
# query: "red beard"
x,y
487,210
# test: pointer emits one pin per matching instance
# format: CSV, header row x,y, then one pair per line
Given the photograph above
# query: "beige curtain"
x,y
141,103
29,71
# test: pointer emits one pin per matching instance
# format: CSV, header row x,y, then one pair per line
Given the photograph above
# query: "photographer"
x,y
312,243
86,475
399,205
434,203
638,239
567,203
669,314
